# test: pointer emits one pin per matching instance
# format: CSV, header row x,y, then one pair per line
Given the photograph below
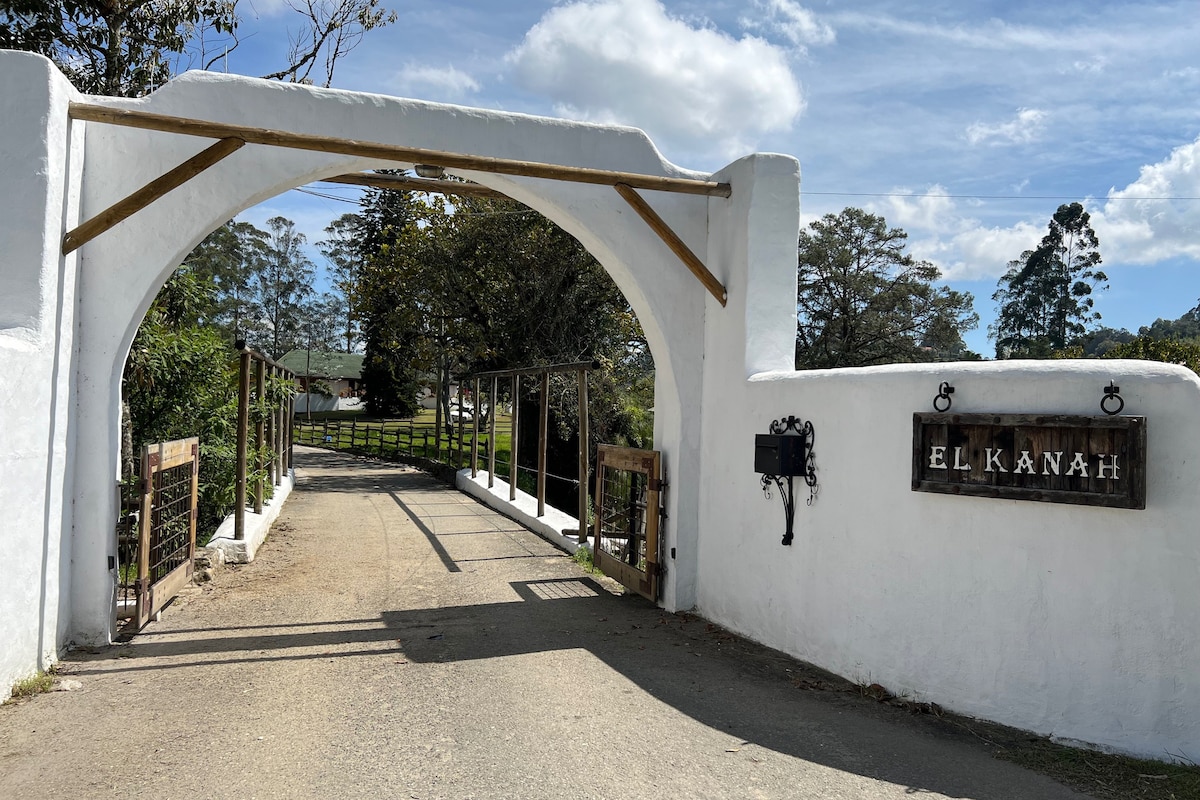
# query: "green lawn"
x,y
416,437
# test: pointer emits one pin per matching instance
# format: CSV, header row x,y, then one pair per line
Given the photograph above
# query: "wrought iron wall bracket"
x,y
782,455
789,503
1112,395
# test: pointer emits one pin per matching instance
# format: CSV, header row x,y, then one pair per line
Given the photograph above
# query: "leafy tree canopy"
x,y
1186,328
1044,300
127,48
861,299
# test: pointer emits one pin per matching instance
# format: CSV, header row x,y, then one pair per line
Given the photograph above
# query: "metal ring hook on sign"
x,y
1112,392
944,392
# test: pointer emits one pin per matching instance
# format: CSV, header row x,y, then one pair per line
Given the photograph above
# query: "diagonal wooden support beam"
x,y
128,206
656,223
391,152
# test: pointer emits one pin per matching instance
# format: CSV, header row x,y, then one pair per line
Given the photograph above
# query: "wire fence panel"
x,y
166,542
625,545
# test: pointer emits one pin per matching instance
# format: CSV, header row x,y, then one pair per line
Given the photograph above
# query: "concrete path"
x,y
397,639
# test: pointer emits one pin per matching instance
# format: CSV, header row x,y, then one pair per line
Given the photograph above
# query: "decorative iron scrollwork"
x,y
1112,392
782,455
943,396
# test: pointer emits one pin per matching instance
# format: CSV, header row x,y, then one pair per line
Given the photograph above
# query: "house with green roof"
x,y
339,374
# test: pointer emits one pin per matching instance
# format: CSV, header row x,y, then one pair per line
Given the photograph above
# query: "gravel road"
x,y
396,639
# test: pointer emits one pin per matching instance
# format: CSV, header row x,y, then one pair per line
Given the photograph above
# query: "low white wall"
x,y
315,402
1074,621
257,526
549,526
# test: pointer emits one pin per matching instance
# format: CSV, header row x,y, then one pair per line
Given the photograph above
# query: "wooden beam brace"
x,y
656,223
406,184
127,207
391,152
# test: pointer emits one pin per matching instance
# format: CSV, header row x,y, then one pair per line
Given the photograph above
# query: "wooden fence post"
x,y
461,426
475,431
513,470
243,434
543,434
289,414
260,464
437,416
271,435
492,434
583,454
280,409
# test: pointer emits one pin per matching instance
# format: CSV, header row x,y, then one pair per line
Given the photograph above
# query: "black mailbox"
x,y
779,454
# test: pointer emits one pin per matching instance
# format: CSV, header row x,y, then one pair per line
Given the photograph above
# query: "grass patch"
x,y
1100,775
35,684
583,557
1106,776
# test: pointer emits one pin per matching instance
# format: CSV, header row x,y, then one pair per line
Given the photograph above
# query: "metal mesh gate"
x,y
166,541
627,514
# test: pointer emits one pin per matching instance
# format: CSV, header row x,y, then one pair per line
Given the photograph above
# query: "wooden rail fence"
x,y
273,399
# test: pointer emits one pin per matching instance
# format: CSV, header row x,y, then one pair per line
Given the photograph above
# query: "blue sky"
x,y
965,123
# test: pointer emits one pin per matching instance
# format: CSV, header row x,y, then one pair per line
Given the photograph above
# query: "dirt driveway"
x,y
397,639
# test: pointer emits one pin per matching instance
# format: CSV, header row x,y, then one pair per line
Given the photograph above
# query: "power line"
x,y
457,212
864,194
325,196
984,196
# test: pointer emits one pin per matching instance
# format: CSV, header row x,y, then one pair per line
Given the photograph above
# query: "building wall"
x,y
1072,621
37,306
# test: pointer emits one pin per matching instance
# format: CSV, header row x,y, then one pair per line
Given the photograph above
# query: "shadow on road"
x,y
724,682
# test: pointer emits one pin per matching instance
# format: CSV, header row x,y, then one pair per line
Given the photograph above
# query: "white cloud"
x,y
992,34
628,61
1153,219
447,82
1140,224
960,246
1022,129
790,20
1183,74
1094,65
269,8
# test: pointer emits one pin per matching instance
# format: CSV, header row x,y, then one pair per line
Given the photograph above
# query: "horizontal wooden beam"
x,y
391,152
672,240
406,184
127,207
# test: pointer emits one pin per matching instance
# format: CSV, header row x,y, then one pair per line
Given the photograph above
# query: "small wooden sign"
x,y
1096,461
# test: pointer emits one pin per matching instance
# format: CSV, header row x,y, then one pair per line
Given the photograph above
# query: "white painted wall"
x,y
1061,619
1072,621
37,295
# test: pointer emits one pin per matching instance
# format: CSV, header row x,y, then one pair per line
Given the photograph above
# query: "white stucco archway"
x,y
1076,621
119,273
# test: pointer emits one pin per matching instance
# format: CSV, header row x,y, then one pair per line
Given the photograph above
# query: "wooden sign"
x,y
1097,461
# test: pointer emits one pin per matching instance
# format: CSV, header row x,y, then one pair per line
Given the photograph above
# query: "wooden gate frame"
x,y
155,458
648,463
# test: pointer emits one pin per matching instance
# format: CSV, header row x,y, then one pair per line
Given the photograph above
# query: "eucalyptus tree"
x,y
1044,300
861,299
229,258
280,289
344,253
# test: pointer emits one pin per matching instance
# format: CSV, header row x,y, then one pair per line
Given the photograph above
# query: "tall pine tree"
x,y
1045,299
